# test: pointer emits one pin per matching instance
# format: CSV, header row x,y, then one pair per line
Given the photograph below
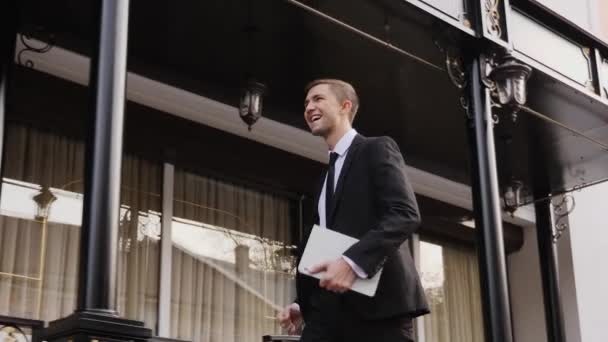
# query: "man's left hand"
x,y
338,277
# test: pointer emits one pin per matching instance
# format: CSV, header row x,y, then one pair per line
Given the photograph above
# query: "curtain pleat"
x,y
35,158
38,158
222,299
456,301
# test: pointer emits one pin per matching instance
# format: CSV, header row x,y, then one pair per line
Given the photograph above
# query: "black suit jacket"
x,y
374,202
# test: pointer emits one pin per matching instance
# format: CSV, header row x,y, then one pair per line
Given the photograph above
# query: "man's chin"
x,y
319,132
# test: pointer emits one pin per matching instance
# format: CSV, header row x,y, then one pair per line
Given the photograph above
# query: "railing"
x,y
19,329
162,339
280,338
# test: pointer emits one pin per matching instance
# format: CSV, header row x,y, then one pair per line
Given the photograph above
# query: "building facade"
x,y
134,196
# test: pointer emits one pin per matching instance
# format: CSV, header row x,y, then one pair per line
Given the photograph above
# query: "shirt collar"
x,y
344,143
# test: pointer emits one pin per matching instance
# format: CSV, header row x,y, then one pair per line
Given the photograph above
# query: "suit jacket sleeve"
x,y
398,215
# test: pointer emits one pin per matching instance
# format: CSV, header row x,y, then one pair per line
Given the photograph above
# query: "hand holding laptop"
x,y
337,275
326,245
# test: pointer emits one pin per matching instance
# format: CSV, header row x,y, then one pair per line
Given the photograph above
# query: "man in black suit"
x,y
365,194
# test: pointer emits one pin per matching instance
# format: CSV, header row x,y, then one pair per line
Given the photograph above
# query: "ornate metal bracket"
x,y
488,63
27,41
561,210
454,65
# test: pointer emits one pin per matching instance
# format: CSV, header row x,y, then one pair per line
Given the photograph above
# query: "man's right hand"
x,y
290,319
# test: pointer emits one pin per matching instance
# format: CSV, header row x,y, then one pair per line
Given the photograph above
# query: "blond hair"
x,y
342,90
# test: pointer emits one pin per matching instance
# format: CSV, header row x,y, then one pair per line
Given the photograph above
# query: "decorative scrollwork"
x,y
454,65
495,118
454,62
488,64
13,332
464,103
493,15
494,104
561,210
27,42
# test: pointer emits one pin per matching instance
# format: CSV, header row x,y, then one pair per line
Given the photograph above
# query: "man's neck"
x,y
332,139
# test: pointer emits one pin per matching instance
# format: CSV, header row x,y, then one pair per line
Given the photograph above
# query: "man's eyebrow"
x,y
314,97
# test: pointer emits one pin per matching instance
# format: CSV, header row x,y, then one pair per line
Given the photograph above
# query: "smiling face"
x,y
324,113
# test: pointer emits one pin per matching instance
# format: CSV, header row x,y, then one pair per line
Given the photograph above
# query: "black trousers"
x,y
330,321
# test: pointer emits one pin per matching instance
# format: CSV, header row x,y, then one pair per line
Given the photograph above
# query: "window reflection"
x,y
18,201
139,232
431,266
38,224
39,249
451,282
230,246
233,260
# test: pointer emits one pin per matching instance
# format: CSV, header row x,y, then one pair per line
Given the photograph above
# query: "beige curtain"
x,y
36,158
456,306
229,290
139,240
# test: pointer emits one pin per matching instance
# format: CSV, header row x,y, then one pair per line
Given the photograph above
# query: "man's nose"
x,y
309,108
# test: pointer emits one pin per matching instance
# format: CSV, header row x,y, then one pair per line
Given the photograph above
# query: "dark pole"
x,y
96,318
486,203
547,252
8,16
549,271
96,292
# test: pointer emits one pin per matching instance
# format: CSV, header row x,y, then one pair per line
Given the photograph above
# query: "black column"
x,y
549,270
8,16
486,203
99,239
96,317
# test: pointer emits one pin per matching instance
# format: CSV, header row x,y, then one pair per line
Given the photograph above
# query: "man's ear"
x,y
347,106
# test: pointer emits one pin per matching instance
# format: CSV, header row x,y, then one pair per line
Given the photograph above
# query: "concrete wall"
x,y
602,20
583,274
526,290
577,11
589,244
591,15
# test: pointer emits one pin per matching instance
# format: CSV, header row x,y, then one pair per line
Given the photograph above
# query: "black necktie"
x,y
329,187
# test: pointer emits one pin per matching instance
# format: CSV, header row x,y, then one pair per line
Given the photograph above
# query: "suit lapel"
x,y
350,156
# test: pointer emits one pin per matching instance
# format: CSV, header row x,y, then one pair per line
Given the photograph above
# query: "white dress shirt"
x,y
341,149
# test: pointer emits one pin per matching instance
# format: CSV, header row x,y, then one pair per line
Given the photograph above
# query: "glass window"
x,y
233,264
40,219
139,240
451,281
41,212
